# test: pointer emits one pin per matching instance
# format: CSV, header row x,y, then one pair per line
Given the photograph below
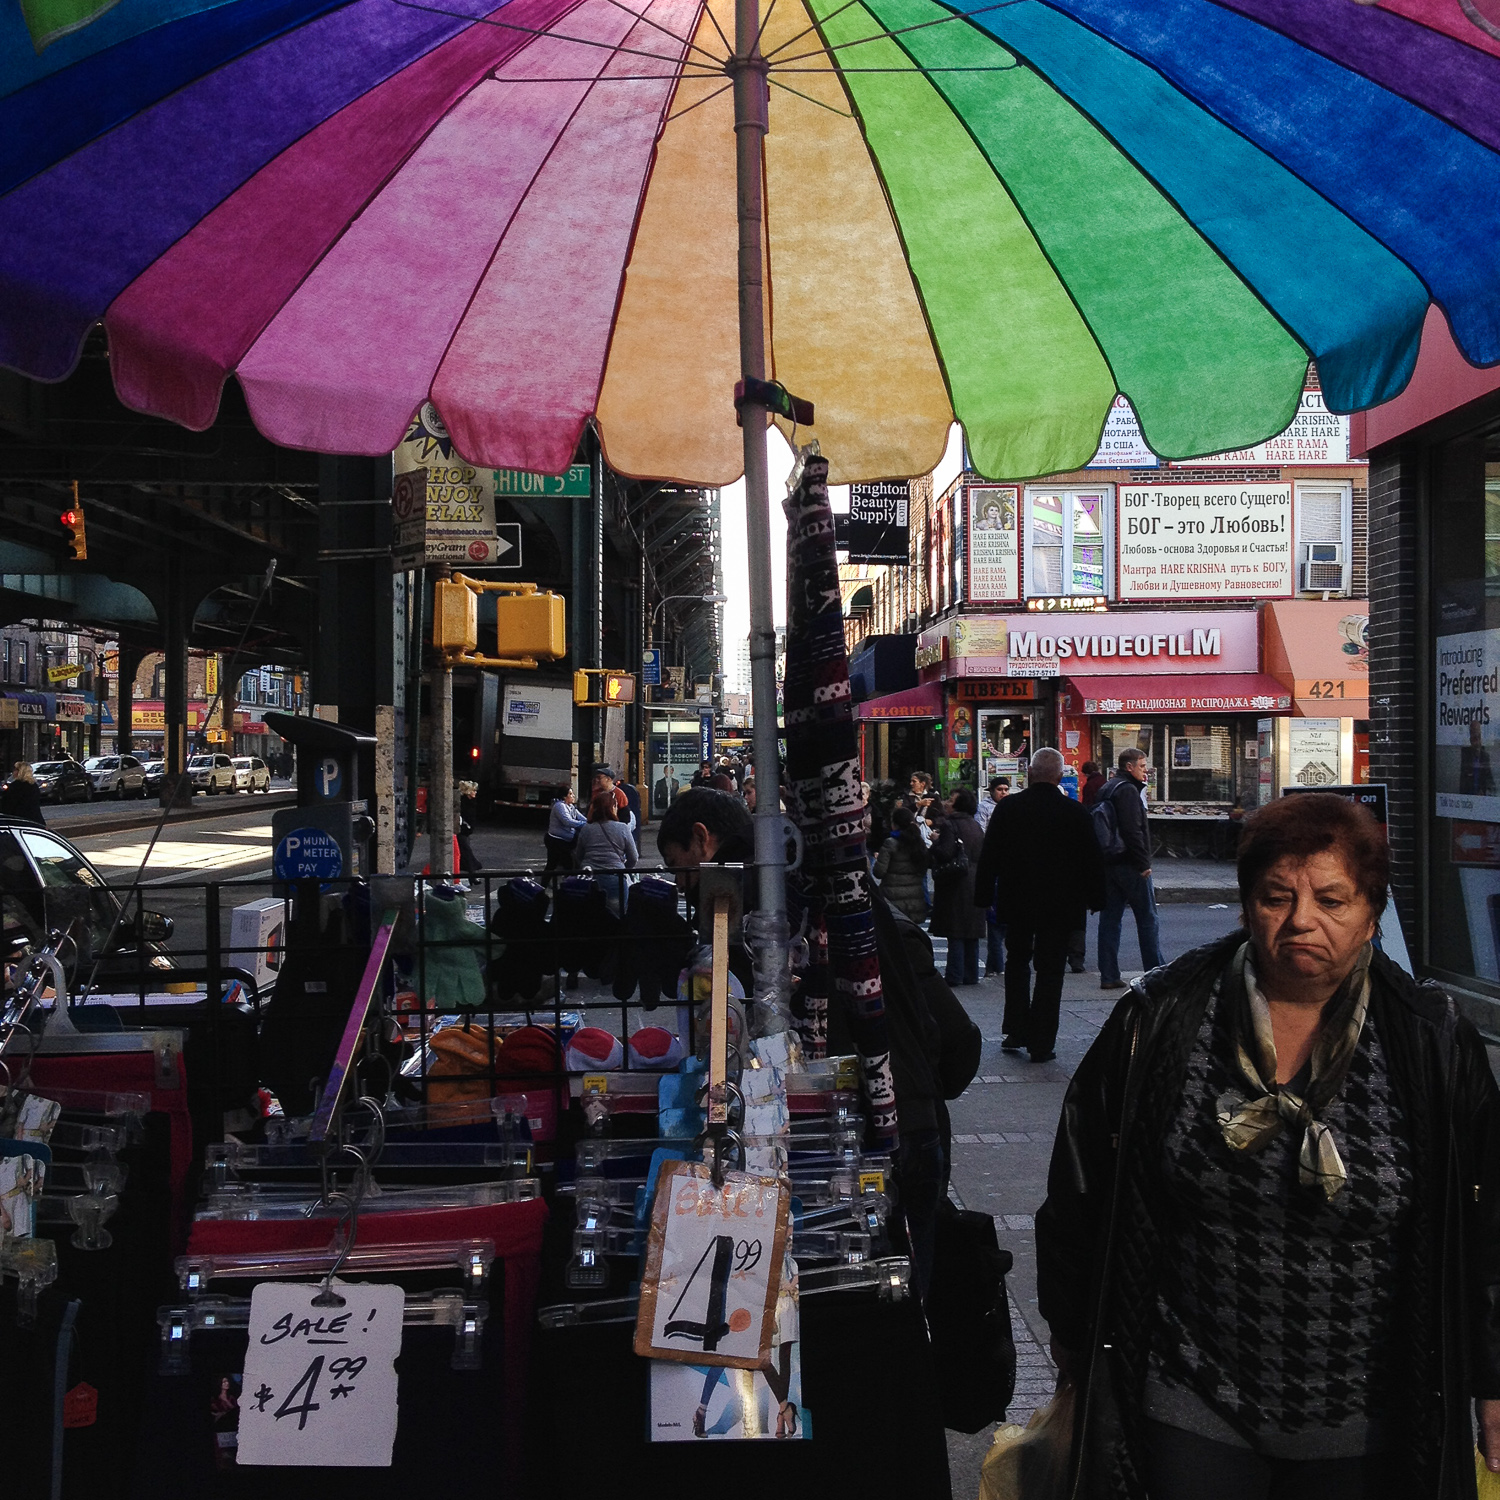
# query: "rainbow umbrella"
x,y
562,210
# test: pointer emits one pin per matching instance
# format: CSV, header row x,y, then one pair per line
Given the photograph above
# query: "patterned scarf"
x,y
1252,1120
823,793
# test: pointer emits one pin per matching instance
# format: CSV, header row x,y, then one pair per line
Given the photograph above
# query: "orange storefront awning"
x,y
1319,649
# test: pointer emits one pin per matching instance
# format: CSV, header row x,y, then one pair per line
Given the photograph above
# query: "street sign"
x,y
579,480
66,672
651,668
507,544
329,777
308,854
706,737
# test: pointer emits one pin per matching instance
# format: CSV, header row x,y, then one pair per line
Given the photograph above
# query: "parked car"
x,y
211,773
117,775
156,773
46,884
251,774
63,781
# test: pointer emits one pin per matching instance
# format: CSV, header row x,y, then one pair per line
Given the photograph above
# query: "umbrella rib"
x,y
809,30
925,72
770,10
704,100
557,36
708,10
667,31
842,113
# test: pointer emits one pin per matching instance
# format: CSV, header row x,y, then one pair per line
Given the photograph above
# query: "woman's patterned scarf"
x,y
1253,1119
823,792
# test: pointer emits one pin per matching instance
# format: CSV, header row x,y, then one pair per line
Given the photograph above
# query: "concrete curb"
x,y
1197,895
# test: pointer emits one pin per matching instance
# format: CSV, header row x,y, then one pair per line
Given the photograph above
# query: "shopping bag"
x,y
1031,1462
1488,1483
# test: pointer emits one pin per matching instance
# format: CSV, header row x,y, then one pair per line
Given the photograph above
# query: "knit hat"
x,y
655,1047
594,1050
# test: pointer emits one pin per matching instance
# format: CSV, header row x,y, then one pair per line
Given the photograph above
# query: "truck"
x,y
513,735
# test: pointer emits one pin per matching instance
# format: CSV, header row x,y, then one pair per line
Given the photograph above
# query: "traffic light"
x,y
581,693
616,688
72,524
619,687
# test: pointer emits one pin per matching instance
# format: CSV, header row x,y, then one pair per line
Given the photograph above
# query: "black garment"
x,y
1040,860
1130,814
1278,1324
633,802
954,914
1184,1466
22,800
1031,1016
1099,1236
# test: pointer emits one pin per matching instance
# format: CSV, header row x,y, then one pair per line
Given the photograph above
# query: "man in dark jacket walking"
x,y
1041,868
1127,876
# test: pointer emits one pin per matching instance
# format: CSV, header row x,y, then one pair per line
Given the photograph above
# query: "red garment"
x,y
133,1073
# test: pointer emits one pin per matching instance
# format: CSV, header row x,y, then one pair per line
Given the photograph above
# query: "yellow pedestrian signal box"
x,y
455,617
531,625
615,689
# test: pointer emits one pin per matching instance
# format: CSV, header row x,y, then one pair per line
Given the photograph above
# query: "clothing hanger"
x,y
470,1259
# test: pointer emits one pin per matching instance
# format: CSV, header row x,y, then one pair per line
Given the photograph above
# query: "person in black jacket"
x,y
1127,876
21,798
1040,868
934,1045
1270,1250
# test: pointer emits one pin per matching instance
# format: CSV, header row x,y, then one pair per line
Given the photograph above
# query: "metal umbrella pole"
x,y
751,92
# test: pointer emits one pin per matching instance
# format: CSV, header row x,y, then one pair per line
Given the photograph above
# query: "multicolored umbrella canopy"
x,y
999,212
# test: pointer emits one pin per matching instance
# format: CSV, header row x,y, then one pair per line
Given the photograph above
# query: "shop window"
x,y
1115,738
1324,538
1068,538
1200,763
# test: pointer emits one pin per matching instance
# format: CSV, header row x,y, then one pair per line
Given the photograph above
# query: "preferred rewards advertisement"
x,y
1467,719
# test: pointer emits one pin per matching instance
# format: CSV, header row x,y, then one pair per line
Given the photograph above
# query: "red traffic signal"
x,y
72,523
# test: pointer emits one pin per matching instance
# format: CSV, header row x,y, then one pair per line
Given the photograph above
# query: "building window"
x,y
1068,537
22,663
1324,553
5,660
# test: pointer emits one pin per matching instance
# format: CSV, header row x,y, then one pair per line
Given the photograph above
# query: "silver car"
x,y
251,774
116,775
211,773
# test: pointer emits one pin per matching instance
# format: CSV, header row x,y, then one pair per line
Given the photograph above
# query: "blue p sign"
x,y
330,777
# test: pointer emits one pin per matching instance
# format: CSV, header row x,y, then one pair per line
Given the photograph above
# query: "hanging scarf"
x,y
833,888
1252,1119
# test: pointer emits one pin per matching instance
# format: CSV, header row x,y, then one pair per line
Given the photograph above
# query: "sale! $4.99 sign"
x,y
320,1382
713,1267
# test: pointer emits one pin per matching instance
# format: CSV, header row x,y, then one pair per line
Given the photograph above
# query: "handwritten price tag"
x,y
713,1267
320,1382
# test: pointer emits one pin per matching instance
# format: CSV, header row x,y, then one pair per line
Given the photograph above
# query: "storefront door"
x,y
1006,738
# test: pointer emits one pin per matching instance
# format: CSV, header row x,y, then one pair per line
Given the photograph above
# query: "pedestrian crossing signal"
x,y
72,523
619,687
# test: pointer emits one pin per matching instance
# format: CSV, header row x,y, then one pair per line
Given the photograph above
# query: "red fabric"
x,y
516,1229
133,1073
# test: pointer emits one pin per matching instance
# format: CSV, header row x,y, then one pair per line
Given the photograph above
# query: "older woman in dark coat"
x,y
955,857
1270,1250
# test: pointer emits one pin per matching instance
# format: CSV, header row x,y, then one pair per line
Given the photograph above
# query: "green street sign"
x,y
578,480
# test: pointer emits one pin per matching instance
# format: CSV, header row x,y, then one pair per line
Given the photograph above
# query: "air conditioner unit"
x,y
1322,567
1318,577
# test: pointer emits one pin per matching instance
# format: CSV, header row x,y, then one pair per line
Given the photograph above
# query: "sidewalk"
x,y
1194,880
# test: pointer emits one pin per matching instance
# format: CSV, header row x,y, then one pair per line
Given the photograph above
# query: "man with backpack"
x,y
1119,815
1040,868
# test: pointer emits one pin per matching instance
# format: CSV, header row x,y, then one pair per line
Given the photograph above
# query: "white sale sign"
x,y
320,1382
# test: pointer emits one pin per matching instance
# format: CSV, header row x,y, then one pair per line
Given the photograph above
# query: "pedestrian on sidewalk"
x,y
1040,868
1270,1249
606,844
1127,870
1094,782
563,825
21,798
955,858
994,950
901,865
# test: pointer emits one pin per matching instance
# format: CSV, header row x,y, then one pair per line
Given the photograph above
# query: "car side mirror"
x,y
153,927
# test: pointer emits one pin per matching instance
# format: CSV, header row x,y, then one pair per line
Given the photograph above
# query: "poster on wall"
x,y
1205,541
1122,445
994,549
1313,760
877,525
1467,720
960,731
